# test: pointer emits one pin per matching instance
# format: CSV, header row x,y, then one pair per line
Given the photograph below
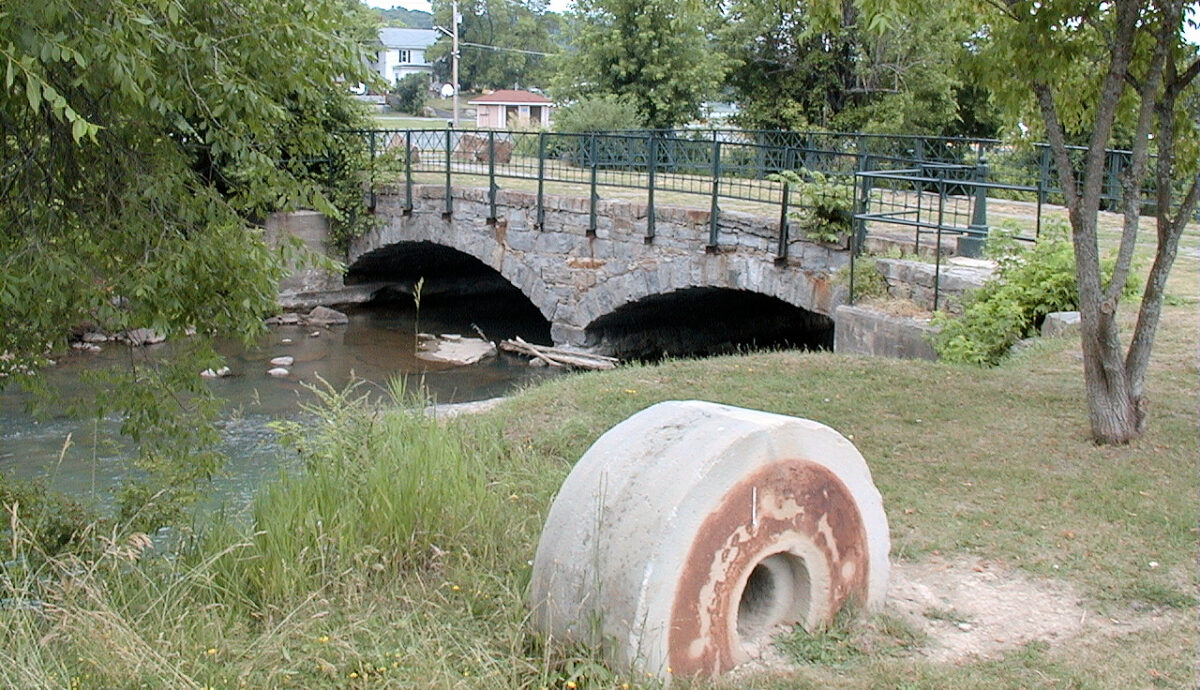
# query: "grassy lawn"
x,y
394,120
401,558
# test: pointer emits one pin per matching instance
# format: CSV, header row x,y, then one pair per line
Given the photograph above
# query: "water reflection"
x,y
378,344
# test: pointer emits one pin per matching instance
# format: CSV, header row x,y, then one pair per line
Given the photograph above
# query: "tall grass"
x,y
380,492
398,556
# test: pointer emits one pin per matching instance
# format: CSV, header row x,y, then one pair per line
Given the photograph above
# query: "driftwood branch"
x,y
557,357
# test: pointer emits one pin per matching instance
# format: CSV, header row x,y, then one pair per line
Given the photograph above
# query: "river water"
x,y
377,345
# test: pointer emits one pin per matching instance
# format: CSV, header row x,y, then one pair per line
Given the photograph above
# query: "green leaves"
x,y
143,141
655,53
827,206
1028,285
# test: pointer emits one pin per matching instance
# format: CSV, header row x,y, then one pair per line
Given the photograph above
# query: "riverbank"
x,y
1083,557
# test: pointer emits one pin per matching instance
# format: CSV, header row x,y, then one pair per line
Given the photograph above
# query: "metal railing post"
x,y
781,252
593,197
760,156
371,203
714,210
864,200
920,184
854,249
449,198
541,181
1114,163
937,248
1044,172
972,244
651,164
491,219
408,180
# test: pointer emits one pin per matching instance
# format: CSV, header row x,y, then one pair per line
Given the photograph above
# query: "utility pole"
x,y
454,19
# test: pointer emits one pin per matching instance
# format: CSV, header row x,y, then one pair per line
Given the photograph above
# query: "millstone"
x,y
688,534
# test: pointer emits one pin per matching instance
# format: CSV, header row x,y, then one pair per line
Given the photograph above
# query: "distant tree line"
x,y
789,64
402,18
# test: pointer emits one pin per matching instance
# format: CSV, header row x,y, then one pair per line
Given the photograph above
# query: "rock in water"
x,y
324,316
462,351
288,319
278,371
284,361
139,337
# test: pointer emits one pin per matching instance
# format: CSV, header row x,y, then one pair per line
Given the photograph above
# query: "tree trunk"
x,y
1114,413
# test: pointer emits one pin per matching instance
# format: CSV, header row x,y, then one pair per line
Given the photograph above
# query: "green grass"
x,y
400,558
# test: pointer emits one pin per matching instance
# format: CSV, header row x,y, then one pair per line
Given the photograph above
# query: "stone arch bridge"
x,y
576,278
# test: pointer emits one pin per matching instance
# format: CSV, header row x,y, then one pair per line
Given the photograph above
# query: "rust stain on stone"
x,y
585,262
792,496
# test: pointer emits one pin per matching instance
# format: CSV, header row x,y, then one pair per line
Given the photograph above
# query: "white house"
x,y
509,109
403,53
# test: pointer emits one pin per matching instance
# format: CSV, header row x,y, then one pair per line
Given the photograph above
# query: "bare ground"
x,y
981,609
974,609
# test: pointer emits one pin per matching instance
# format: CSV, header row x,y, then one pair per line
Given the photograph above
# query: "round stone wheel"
x,y
690,532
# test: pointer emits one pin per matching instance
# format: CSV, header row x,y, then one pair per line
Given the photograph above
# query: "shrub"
x,y
1028,285
408,95
598,114
868,281
827,206
50,523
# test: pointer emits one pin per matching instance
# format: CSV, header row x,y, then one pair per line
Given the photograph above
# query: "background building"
x,y
403,53
510,109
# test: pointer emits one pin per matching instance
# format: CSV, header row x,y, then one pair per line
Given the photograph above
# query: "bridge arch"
x,y
811,291
422,240
701,321
584,272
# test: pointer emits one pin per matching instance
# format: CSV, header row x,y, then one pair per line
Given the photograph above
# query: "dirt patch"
x,y
896,306
981,609
974,609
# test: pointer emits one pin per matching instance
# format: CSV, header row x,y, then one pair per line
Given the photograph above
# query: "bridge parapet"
x,y
575,277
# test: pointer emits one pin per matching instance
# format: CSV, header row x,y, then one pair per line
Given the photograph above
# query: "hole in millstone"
x,y
776,593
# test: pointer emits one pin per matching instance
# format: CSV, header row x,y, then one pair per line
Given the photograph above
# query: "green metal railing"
x,y
731,169
723,169
930,204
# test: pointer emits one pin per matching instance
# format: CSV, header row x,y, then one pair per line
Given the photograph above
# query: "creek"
x,y
376,346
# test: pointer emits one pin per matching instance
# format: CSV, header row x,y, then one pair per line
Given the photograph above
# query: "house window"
x,y
405,57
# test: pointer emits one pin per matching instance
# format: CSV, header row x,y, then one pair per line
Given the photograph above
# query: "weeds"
x,y
399,555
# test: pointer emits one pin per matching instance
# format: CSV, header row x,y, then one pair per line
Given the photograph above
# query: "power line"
x,y
511,50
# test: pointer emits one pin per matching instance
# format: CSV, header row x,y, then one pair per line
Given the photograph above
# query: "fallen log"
x,y
557,357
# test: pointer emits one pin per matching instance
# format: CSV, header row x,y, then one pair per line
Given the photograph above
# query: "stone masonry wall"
x,y
574,279
914,280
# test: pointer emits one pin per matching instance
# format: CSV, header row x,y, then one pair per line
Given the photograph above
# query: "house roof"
x,y
407,38
511,97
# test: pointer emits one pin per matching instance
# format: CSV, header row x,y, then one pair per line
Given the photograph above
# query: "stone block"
x,y
555,242
862,331
1061,323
